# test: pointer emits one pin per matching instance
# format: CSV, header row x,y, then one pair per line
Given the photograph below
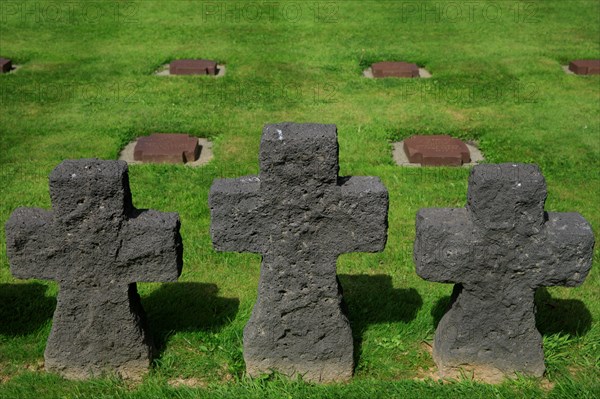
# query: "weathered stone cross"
x,y
96,245
300,216
498,250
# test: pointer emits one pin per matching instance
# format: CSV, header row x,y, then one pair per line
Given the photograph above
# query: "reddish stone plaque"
x,y
5,65
395,69
438,150
165,147
193,67
585,67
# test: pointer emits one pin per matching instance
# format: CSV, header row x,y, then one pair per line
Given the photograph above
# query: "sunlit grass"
x,y
86,89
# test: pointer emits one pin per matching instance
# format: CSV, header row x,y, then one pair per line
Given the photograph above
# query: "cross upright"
x,y
96,245
498,251
300,216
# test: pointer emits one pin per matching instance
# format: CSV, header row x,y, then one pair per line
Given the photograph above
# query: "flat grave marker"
x,y
585,67
395,69
436,150
5,65
193,67
167,147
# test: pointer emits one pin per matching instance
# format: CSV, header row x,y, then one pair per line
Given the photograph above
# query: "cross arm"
x,y
29,248
237,215
443,244
565,256
364,207
150,248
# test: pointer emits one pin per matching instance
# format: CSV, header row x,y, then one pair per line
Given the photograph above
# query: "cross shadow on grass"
x,y
566,316
24,308
178,307
372,299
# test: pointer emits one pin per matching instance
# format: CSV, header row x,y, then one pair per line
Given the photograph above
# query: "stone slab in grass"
x,y
175,148
300,215
5,65
395,69
169,148
97,246
192,67
435,150
585,67
498,250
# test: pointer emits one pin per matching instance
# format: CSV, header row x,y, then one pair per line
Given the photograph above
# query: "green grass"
x,y
86,88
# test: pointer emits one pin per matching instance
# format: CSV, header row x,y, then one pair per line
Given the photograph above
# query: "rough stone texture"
x,y
193,67
96,245
395,69
498,250
585,67
436,150
167,147
300,216
5,65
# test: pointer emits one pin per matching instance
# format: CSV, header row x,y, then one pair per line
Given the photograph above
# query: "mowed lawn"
x,y
86,87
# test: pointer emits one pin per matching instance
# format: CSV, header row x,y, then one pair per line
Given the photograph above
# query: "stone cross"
x,y
300,216
96,245
498,251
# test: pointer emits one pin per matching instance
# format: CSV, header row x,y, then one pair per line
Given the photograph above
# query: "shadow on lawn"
x,y
24,308
374,300
565,316
187,307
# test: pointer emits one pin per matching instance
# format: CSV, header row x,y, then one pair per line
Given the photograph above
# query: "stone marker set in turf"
x,y
193,67
585,67
436,150
5,65
387,69
395,69
169,148
300,215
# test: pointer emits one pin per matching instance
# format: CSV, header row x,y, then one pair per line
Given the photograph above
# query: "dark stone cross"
x,y
498,251
96,245
300,216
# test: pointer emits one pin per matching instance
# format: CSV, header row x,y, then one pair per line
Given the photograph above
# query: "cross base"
x,y
313,371
300,329
489,336
98,329
317,352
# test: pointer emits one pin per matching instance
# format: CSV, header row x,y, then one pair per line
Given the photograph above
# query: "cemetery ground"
x,y
86,87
